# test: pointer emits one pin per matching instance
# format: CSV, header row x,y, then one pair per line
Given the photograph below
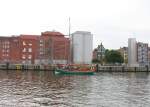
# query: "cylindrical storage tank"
x,y
82,45
132,52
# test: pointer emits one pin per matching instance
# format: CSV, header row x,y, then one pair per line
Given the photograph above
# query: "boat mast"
x,y
69,27
70,47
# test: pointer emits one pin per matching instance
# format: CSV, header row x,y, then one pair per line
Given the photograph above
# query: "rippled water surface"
x,y
43,89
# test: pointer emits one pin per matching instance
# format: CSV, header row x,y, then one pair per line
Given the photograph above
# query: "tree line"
x,y
111,57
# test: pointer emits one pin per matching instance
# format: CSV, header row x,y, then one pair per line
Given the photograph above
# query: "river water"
x,y
44,89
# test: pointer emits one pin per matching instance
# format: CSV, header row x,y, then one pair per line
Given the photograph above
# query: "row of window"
x,y
5,50
26,57
5,42
24,43
5,46
27,50
5,54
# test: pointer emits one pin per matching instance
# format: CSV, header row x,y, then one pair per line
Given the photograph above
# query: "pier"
x,y
122,69
27,67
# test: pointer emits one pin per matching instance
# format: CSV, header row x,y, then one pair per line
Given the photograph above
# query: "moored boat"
x,y
76,70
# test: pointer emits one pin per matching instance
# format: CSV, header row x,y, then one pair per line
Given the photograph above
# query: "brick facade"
x,y
47,48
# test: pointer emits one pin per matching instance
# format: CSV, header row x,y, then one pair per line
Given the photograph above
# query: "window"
x,y
41,53
7,50
24,50
30,44
23,62
41,41
23,57
30,50
24,43
30,57
41,44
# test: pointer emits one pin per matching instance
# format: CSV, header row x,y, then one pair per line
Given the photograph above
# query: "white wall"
x,y
132,52
82,43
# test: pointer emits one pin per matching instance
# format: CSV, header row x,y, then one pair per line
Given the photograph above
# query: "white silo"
x,y
132,52
82,45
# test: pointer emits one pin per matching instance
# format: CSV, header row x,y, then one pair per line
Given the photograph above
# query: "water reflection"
x,y
39,88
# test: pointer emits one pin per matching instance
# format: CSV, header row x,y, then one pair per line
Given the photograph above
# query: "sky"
x,y
111,22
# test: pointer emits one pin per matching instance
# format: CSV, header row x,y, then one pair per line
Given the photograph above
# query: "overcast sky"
x,y
110,21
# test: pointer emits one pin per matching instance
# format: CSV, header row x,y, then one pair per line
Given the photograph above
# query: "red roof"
x,y
60,39
52,33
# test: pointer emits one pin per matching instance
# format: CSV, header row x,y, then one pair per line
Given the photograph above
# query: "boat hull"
x,y
60,71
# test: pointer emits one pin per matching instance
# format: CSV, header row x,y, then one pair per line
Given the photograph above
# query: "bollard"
x,y
97,68
135,69
147,68
123,69
7,65
110,68
22,67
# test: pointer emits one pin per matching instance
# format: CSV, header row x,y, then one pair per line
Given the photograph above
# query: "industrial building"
x,y
48,48
132,52
82,46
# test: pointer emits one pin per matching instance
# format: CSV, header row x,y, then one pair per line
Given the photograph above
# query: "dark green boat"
x,y
63,71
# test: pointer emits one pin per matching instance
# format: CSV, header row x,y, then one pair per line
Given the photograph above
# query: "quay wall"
x,y
122,69
27,67
53,67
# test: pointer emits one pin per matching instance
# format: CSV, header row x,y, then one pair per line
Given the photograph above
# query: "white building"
x,y
132,52
82,45
142,53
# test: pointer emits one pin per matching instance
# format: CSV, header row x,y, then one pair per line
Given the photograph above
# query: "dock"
x,y
51,67
122,69
27,67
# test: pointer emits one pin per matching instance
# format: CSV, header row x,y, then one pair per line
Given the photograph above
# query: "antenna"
x,y
69,27
70,50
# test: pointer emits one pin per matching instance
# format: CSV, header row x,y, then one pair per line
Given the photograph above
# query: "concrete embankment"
x,y
52,67
26,67
122,69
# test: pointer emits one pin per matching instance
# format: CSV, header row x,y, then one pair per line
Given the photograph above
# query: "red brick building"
x,y
28,48
49,47
15,50
5,49
57,47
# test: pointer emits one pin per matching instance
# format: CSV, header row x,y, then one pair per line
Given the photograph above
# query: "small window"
x,y
41,53
41,44
30,44
7,50
23,62
30,50
24,43
24,50
30,57
23,57
41,41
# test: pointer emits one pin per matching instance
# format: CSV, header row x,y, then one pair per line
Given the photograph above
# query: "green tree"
x,y
112,56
